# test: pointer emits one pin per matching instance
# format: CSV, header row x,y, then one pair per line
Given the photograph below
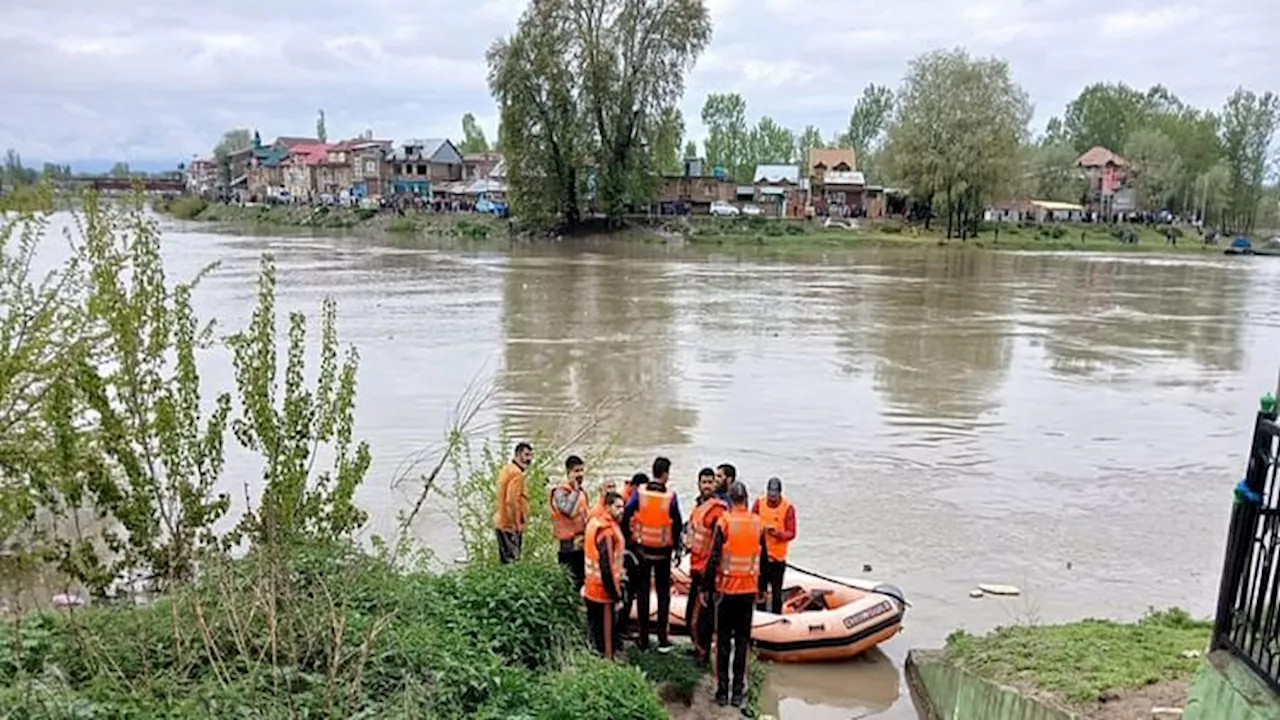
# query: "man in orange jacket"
x,y
602,588
653,517
511,513
735,565
569,510
600,508
779,518
699,532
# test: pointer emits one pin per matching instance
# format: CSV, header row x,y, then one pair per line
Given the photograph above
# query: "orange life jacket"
x,y
593,587
701,531
739,569
774,517
568,528
652,528
627,492
598,509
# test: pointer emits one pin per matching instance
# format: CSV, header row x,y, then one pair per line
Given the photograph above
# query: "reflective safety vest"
x,y
774,517
598,510
652,526
568,528
593,587
701,531
739,569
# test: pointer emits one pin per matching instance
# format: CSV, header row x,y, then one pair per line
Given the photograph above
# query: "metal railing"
x,y
1248,619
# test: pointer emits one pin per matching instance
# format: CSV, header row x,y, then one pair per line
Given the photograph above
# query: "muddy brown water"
x,y
1071,424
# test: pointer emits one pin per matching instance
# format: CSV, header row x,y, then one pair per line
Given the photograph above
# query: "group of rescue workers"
x,y
627,541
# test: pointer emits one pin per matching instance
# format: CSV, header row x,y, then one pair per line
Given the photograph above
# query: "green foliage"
x,y
473,140
290,426
402,224
1155,167
187,207
592,87
1249,123
869,120
958,132
325,630
675,672
474,495
1084,661
1051,173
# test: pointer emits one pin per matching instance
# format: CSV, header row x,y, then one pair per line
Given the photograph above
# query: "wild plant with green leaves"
x,y
291,426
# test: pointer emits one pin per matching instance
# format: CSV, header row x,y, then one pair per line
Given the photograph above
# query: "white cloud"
x,y
153,80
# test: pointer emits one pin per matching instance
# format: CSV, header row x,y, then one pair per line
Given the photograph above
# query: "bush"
x,y
795,229
1054,232
187,207
402,225
892,228
325,629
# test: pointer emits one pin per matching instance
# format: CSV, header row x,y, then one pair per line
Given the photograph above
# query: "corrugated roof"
x,y
778,173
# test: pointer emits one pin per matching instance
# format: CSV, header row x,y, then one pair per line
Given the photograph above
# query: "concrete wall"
x,y
1224,689
943,691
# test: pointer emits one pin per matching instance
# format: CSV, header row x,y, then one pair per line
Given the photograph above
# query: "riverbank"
x,y
782,235
327,629
1100,669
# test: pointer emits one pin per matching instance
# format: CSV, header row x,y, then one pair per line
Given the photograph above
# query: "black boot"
x,y
722,697
737,699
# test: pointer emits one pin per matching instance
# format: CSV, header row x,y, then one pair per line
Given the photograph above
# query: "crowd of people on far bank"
x,y
627,540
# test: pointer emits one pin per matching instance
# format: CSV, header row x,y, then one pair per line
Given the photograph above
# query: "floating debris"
x,y
976,593
996,589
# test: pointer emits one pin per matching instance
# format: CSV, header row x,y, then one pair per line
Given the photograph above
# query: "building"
x,y
1109,192
369,168
693,192
416,164
1035,211
477,166
837,188
779,190
202,176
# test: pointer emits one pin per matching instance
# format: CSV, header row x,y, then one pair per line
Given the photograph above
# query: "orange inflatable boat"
x,y
823,618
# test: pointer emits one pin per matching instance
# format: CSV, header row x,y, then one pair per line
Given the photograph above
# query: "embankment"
x,y
1095,669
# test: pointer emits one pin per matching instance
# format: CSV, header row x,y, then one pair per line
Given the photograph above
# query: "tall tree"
x,y
588,82
120,170
322,132
870,116
809,139
772,144
666,147
1105,114
232,141
728,142
690,150
1051,172
1155,167
958,132
1249,124
473,139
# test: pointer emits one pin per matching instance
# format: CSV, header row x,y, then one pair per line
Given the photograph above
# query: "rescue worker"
x,y
653,514
630,563
602,587
699,532
779,518
512,511
726,474
735,565
569,512
601,507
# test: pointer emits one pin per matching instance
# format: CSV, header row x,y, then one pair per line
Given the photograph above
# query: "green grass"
x,y
678,677
797,234
1086,660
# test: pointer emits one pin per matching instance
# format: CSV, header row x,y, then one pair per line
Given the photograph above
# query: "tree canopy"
x,y
591,85
473,139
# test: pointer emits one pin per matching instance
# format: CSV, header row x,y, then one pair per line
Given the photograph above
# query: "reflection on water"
x,y
1068,423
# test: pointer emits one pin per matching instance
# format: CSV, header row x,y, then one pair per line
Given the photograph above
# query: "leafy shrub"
x,y
892,228
187,207
366,213
774,229
472,230
1054,232
795,229
402,225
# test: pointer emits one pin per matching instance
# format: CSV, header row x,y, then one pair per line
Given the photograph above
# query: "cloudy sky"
x,y
156,81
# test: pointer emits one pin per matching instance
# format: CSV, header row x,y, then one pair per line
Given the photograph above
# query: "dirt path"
x,y
704,706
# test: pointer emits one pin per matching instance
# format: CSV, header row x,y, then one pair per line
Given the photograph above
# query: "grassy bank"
x,y
711,232
1005,236
268,217
1090,663
325,631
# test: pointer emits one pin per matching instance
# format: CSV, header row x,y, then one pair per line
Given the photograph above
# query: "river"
x,y
1072,424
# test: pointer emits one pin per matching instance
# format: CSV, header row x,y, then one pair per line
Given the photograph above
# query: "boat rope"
x,y
841,583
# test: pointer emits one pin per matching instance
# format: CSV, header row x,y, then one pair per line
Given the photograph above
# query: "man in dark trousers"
x,y
602,587
569,511
653,515
779,517
699,532
735,565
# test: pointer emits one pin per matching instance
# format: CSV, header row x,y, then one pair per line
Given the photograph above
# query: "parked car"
x,y
751,210
720,208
